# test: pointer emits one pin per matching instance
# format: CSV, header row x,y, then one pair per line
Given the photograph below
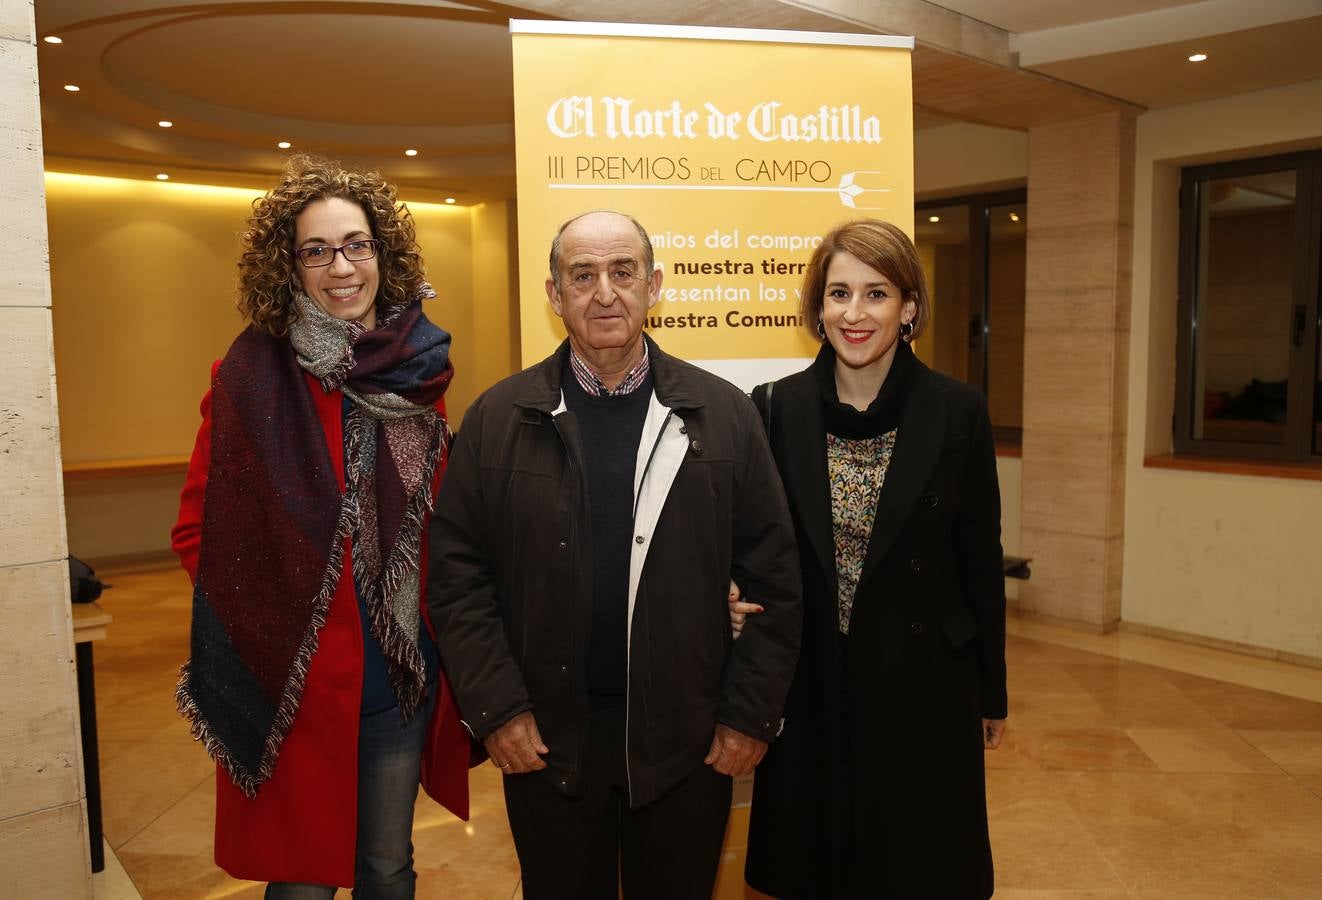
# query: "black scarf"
x,y
883,413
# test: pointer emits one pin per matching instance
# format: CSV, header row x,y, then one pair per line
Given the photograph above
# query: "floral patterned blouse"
x,y
856,470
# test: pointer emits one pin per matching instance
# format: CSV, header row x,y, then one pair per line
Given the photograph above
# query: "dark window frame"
x,y
980,327
1303,364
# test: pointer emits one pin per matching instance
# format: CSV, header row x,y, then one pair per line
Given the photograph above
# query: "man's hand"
x,y
734,753
739,610
516,746
992,732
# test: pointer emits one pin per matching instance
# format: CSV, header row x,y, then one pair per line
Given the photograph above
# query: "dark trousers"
x,y
587,847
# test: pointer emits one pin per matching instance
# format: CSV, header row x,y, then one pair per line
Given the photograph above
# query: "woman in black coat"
x,y
875,787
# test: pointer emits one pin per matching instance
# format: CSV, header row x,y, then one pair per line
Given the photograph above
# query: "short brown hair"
x,y
267,282
879,245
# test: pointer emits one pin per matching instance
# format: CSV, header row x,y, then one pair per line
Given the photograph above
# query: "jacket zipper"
x,y
573,543
628,650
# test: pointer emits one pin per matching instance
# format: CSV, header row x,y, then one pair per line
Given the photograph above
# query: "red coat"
x,y
301,826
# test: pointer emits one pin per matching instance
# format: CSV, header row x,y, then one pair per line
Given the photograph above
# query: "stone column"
x,y
1076,345
43,821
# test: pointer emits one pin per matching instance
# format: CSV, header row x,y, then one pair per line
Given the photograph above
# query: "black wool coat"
x,y
875,788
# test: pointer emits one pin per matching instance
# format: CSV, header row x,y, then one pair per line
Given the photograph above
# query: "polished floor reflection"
x,y
1133,767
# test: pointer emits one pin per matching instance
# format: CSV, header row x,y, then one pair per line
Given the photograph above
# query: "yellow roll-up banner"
x,y
737,149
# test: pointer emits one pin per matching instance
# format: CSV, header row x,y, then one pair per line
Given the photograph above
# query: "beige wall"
x,y
143,278
43,822
1228,557
963,158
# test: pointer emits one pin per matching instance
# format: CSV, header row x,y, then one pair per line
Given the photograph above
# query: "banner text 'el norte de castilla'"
x,y
737,149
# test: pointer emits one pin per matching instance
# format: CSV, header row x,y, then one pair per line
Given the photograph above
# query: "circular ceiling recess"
x,y
371,70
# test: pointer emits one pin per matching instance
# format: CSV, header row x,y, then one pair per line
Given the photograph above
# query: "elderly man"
x,y
595,508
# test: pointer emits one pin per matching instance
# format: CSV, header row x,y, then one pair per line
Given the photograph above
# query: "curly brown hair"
x,y
267,282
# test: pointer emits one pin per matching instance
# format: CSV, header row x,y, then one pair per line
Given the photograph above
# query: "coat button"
x,y
697,447
683,429
564,670
564,545
915,565
917,628
932,501
638,540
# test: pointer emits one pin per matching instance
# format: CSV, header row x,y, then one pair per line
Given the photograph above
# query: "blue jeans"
x,y
389,761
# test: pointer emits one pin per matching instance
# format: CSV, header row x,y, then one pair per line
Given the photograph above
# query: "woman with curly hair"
x,y
313,679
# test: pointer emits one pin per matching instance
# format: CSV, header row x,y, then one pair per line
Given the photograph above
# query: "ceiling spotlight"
x,y
1197,57
161,176
410,152
165,123
72,87
934,218
449,199
52,39
284,145
1014,217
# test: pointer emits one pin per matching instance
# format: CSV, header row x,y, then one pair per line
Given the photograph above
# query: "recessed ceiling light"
x,y
52,39
161,176
1014,217
449,199
165,123
284,145
72,87
934,218
1197,57
410,152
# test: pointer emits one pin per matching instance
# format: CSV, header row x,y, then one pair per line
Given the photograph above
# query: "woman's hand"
x,y
992,732
739,610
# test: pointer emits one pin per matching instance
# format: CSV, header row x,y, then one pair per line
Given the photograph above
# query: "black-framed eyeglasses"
x,y
354,251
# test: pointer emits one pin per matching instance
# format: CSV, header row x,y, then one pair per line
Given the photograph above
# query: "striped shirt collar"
x,y
593,386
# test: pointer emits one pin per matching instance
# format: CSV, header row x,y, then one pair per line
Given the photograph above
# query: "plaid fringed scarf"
x,y
274,520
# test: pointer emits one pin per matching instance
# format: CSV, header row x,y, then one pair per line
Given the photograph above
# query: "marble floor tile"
x,y
1202,835
1083,749
1030,894
1216,749
112,882
1224,666
1249,708
1276,809
185,829
1010,755
1065,706
158,877
451,882
141,781
1312,782
1027,651
1042,678
1038,842
1138,696
1297,752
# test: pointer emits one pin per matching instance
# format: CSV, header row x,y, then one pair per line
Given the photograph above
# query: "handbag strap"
x,y
762,397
